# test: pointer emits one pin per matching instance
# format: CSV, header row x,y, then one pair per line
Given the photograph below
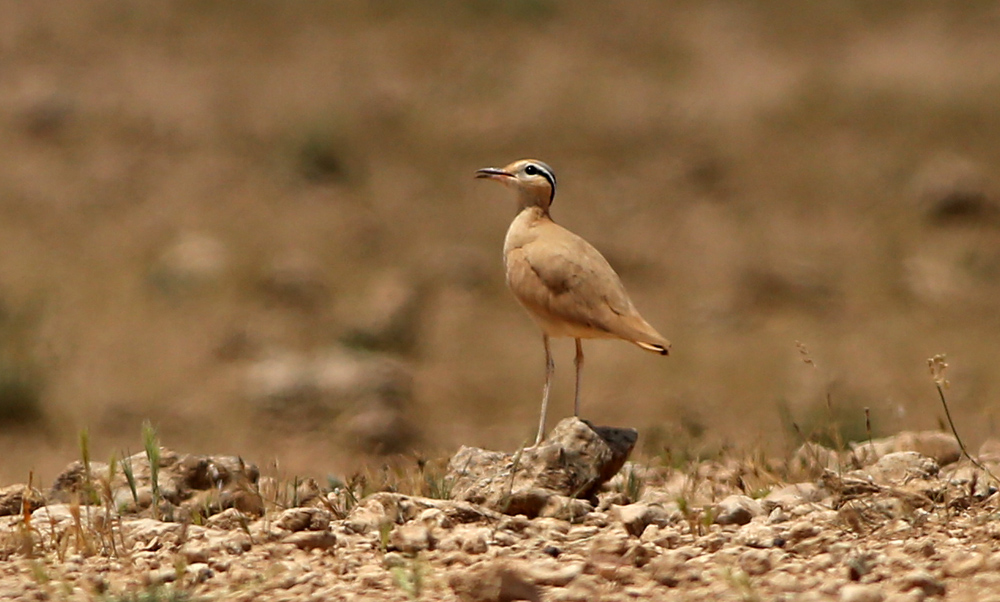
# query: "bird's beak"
x,y
493,173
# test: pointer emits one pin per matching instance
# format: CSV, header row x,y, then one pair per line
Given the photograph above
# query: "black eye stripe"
x,y
536,170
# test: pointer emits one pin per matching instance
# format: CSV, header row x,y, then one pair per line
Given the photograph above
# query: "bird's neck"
x,y
532,213
531,202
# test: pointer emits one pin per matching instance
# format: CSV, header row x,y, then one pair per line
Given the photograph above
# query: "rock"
x,y
229,519
302,519
494,581
308,540
791,496
476,541
566,508
410,539
923,581
811,459
801,530
198,572
553,573
943,448
755,562
575,460
636,517
964,564
199,483
895,468
755,535
858,592
671,568
15,498
161,576
737,510
385,507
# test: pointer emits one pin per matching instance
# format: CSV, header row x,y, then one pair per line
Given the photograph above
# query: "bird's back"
x,y
569,287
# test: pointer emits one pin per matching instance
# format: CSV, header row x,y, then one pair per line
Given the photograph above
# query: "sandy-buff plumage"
x,y
565,283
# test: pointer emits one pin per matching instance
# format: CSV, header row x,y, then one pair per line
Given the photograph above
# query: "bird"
x,y
564,283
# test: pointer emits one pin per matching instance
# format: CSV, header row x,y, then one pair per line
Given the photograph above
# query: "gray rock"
x,y
737,510
574,461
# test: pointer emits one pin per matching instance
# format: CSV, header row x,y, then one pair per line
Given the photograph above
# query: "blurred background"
x,y
255,224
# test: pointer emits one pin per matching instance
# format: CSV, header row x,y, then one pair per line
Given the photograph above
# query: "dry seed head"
x,y
938,366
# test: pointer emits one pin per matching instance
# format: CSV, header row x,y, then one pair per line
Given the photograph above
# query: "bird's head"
x,y
534,181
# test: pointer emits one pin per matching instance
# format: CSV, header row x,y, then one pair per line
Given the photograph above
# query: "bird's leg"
x,y
550,368
579,368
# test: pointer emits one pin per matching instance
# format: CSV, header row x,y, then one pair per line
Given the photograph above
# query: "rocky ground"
x,y
902,518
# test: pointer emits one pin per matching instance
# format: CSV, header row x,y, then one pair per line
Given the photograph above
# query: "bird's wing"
x,y
566,278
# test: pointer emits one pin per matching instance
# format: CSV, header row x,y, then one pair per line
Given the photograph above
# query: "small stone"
x,y
964,564
161,576
301,519
411,538
309,540
801,530
923,581
554,573
199,572
476,541
858,592
636,517
393,560
755,562
790,496
756,535
229,519
14,498
496,581
566,508
737,510
896,467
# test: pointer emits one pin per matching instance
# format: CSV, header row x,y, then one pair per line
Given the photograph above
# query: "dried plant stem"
x,y
954,431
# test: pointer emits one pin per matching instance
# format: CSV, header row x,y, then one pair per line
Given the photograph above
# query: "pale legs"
x,y
578,360
550,368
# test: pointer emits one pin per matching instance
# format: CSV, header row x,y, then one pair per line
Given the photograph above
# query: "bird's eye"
x,y
531,170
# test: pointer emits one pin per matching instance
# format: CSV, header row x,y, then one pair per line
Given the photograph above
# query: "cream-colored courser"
x,y
565,284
